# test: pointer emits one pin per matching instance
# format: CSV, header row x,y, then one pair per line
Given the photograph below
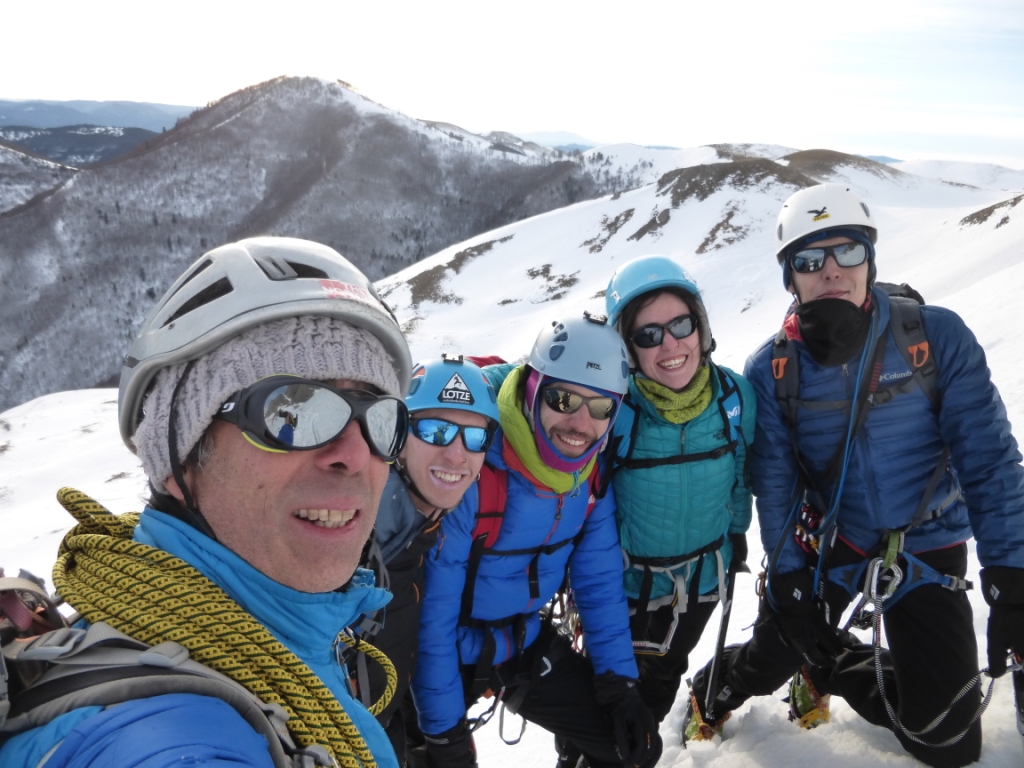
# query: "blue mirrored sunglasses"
x,y
440,432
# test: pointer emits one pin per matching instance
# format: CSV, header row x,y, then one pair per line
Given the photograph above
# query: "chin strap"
x,y
188,511
410,484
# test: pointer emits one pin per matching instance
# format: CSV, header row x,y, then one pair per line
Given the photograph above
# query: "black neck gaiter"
x,y
834,330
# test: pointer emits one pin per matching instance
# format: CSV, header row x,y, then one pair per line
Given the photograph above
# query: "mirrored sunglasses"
x,y
652,335
440,432
289,413
565,401
813,259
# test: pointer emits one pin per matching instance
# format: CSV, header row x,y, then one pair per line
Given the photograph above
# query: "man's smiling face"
x,y
299,517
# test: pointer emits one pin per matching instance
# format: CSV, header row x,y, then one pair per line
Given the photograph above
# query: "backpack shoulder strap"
x,y
909,334
786,372
492,488
101,666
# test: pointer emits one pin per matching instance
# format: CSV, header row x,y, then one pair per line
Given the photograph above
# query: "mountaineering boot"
x,y
695,728
806,708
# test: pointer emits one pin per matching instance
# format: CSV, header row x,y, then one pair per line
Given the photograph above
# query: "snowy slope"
x,y
644,165
960,246
23,176
982,175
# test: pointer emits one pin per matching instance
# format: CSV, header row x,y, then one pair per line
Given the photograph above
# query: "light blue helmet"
x,y
451,382
647,274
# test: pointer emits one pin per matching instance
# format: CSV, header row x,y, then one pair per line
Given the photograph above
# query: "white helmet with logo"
x,y
818,209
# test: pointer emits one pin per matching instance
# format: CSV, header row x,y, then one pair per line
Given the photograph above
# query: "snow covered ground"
x,y
492,294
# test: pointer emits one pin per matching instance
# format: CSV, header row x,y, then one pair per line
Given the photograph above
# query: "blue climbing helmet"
x,y
648,274
452,382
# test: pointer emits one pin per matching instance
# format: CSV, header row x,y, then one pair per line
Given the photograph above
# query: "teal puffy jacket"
x,y
669,510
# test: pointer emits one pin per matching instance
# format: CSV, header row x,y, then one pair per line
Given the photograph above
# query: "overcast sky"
x,y
913,79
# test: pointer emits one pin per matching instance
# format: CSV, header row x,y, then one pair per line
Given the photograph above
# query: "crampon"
x,y
807,708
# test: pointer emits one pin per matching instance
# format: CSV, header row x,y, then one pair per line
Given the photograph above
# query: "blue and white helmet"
x,y
647,274
584,350
452,382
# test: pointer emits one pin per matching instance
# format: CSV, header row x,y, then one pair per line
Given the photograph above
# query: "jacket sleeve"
x,y
169,730
984,453
742,501
773,470
437,684
595,574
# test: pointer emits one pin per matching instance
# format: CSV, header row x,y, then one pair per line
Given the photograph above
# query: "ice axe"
x,y
723,627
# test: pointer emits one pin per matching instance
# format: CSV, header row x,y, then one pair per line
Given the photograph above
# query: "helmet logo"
x,y
335,289
819,215
595,366
456,392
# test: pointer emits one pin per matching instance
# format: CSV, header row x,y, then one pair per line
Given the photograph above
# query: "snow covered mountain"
x,y
81,266
76,145
976,174
24,175
954,243
960,246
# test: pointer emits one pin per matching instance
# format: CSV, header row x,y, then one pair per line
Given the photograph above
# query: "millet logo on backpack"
x,y
456,391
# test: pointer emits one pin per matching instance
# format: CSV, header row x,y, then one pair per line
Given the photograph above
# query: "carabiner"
x,y
892,578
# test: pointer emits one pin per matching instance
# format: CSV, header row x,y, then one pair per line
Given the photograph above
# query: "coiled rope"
x,y
155,597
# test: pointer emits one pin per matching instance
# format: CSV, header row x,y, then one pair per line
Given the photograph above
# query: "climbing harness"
x,y
883,581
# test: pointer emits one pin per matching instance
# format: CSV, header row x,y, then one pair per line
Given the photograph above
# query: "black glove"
x,y
800,619
1003,588
739,552
633,727
452,749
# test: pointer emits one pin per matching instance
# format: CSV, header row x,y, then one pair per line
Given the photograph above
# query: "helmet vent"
x,y
195,272
210,293
305,270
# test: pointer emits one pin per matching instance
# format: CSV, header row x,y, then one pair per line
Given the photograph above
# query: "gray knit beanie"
x,y
320,348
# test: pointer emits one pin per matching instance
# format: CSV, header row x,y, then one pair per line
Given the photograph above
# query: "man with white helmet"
x,y
532,521
882,446
453,416
263,397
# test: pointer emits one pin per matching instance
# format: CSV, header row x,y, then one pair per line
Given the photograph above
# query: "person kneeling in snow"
x,y
881,447
453,415
481,630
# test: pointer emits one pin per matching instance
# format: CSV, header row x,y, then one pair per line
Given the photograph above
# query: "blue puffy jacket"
x,y
672,509
533,517
187,729
897,449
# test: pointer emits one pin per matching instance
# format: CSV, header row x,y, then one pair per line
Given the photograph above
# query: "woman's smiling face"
x,y
673,362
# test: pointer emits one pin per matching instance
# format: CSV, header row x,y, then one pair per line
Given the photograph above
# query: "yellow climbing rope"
x,y
155,597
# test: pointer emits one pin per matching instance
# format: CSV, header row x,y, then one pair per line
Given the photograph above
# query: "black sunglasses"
x,y
652,335
289,413
566,401
441,433
813,259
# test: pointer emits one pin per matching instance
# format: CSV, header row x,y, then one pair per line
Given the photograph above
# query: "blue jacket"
x,y
532,517
897,449
672,509
178,729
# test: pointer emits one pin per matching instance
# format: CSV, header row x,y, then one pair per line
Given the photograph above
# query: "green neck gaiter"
x,y
679,407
